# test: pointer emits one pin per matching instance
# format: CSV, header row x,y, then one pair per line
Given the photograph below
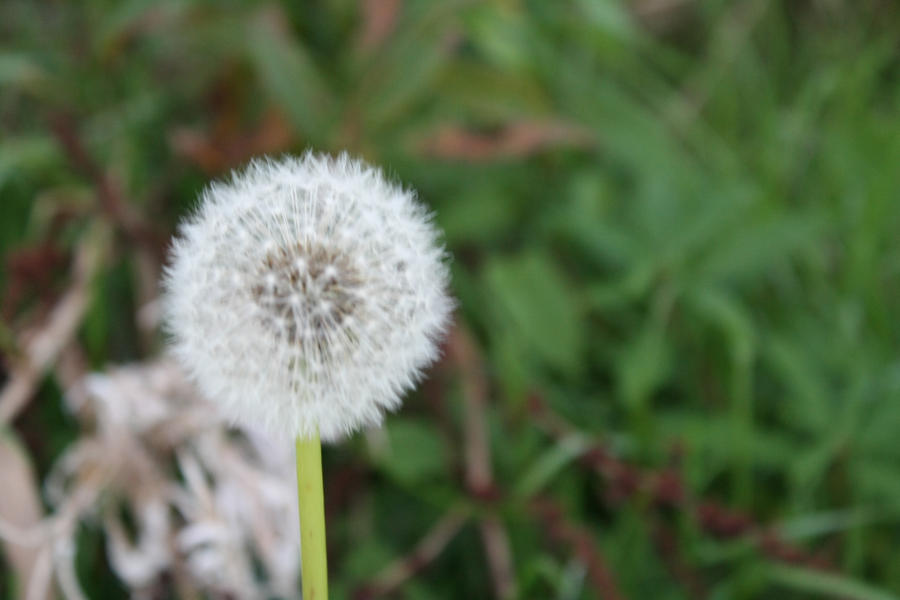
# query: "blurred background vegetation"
x,y
675,229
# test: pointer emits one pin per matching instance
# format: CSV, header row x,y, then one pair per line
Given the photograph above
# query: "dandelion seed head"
x,y
307,294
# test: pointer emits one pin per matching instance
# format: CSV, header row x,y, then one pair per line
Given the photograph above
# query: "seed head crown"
x,y
307,294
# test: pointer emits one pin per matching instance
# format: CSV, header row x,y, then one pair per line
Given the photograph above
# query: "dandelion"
x,y
307,295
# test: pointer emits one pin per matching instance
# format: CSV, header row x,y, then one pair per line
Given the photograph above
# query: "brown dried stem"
x,y
110,197
41,349
20,512
563,531
478,470
429,547
666,490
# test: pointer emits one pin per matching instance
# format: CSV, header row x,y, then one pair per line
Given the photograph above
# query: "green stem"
x,y
312,518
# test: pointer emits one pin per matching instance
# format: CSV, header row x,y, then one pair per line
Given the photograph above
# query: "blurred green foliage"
x,y
678,222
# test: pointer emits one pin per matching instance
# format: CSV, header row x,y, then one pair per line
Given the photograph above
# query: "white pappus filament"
x,y
307,294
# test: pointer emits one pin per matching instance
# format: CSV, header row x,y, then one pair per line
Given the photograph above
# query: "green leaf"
x,y
550,463
416,454
19,70
500,32
759,249
730,317
26,156
828,585
807,402
827,522
290,76
492,93
532,302
644,365
406,76
364,559
609,16
479,215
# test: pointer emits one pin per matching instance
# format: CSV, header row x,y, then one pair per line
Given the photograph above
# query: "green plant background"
x,y
674,224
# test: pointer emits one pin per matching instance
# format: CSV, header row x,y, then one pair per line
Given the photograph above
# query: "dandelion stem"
x,y
312,518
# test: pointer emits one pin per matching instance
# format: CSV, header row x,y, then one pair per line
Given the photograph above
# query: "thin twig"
x,y
667,546
478,469
38,586
66,578
41,350
429,547
21,512
666,490
110,197
584,547
499,553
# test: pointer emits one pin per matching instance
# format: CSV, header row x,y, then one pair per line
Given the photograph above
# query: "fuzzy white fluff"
x,y
307,294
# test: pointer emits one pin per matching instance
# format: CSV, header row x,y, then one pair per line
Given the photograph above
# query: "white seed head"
x,y
307,294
